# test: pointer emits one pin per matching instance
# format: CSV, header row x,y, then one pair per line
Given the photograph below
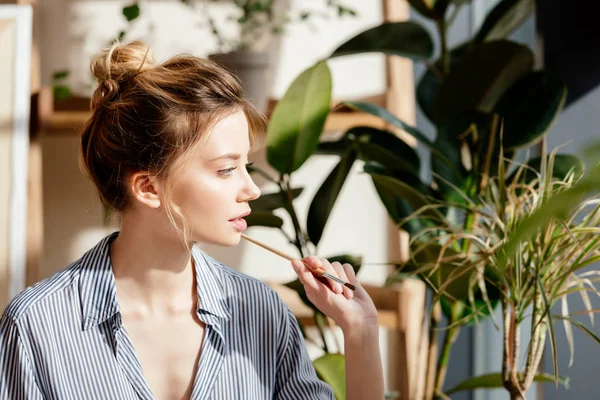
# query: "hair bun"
x,y
116,65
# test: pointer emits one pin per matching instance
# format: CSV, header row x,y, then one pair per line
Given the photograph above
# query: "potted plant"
x,y
247,52
485,101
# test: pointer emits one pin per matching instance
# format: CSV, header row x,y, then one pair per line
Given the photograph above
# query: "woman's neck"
x,y
154,272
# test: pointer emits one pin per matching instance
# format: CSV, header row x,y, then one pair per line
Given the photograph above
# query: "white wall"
x,y
71,31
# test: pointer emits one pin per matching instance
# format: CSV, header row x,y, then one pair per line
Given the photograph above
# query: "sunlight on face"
x,y
214,189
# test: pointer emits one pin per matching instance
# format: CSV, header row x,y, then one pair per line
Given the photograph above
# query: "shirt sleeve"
x,y
16,374
296,376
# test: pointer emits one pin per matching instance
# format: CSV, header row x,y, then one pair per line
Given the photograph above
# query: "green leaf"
x,y
384,147
59,75
482,77
264,218
273,201
405,39
384,114
494,380
61,92
454,134
429,85
331,368
334,148
530,107
398,209
504,18
578,324
325,198
298,119
131,12
404,191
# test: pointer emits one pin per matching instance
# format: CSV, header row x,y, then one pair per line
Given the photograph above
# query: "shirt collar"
x,y
210,285
98,289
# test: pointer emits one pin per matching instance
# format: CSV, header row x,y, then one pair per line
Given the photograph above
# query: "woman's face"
x,y
214,189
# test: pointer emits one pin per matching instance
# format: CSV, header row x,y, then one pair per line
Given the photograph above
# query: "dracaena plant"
x,y
524,250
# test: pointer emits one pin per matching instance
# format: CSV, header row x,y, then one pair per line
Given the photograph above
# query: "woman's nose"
x,y
251,191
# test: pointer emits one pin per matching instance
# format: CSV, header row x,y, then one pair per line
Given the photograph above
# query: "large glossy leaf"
x,y
385,148
264,218
504,18
403,191
529,108
331,368
273,201
298,119
397,208
326,196
384,114
482,77
454,135
428,86
494,380
406,39
334,147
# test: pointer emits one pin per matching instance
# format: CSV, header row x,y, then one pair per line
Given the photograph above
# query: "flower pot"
x,y
251,68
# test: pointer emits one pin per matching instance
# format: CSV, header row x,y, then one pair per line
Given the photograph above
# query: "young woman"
x,y
145,314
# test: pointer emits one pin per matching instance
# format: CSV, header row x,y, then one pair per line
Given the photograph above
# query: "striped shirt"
x,y
63,338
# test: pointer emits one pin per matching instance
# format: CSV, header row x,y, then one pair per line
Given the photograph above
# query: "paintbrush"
x,y
321,273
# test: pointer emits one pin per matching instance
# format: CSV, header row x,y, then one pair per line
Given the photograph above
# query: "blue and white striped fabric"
x,y
63,338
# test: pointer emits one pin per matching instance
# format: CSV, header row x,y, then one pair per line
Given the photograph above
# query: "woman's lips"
x,y
239,224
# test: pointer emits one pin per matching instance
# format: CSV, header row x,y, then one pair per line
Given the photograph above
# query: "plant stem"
x,y
510,336
449,339
300,242
320,323
445,56
430,374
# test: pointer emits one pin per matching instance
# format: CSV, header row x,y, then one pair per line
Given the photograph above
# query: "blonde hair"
x,y
148,117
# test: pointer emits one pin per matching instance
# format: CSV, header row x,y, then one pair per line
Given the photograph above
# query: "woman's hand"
x,y
353,311
356,314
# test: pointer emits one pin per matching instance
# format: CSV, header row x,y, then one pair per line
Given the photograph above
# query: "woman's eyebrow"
x,y
227,156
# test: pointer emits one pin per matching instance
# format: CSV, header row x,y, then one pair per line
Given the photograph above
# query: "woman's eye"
x,y
227,172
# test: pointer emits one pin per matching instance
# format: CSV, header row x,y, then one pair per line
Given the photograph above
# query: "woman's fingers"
x,y
341,273
335,286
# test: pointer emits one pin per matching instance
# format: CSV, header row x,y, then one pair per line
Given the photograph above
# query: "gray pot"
x,y
252,69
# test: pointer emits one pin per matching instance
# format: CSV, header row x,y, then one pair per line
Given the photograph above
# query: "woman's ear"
x,y
145,188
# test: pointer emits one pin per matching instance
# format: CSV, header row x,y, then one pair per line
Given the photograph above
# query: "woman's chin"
x,y
227,240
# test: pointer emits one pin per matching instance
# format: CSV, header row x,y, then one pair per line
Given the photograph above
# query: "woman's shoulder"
x,y
35,296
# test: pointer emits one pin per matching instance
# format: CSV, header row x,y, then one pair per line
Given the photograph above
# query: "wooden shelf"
x,y
68,118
